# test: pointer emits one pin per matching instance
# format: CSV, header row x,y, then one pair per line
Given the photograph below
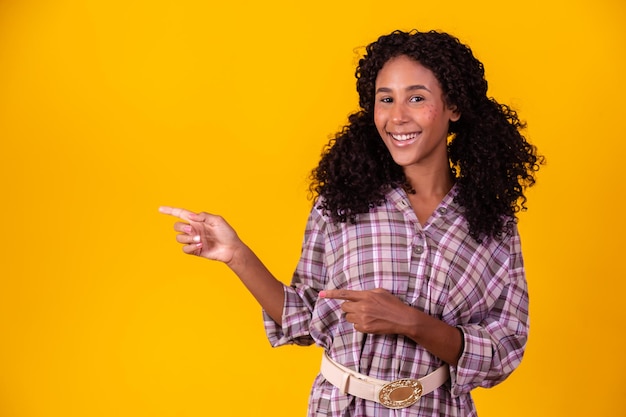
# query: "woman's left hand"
x,y
374,311
380,312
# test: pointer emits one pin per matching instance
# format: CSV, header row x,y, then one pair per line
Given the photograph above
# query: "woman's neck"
x,y
429,184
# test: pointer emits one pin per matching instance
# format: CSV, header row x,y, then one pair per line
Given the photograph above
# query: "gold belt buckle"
x,y
401,393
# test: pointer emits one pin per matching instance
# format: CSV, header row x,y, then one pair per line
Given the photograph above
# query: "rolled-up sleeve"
x,y
301,296
494,347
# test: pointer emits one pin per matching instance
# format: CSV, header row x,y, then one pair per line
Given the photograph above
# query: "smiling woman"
x,y
414,302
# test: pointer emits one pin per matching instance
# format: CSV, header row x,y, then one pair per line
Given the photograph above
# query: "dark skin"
x,y
380,312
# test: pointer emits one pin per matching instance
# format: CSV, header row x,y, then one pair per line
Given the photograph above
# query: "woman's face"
x,y
411,115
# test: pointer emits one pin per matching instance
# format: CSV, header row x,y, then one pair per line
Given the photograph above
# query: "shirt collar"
x,y
399,198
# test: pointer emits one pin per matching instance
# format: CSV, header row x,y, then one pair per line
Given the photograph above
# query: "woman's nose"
x,y
399,113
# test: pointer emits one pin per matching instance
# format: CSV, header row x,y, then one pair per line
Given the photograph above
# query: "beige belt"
x,y
396,394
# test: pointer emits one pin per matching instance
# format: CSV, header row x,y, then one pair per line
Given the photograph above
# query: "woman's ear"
x,y
456,115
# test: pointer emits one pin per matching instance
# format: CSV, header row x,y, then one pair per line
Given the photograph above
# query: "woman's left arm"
x,y
380,312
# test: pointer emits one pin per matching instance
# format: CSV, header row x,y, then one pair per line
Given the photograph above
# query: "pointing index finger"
x,y
177,212
347,295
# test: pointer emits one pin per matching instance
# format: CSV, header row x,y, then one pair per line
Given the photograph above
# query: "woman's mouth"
x,y
403,137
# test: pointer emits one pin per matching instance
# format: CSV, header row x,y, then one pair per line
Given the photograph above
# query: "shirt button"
x,y
442,210
418,250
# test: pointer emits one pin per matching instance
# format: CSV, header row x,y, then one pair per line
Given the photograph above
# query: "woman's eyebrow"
x,y
409,88
418,87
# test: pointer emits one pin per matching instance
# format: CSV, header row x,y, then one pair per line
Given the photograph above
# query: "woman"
x,y
411,275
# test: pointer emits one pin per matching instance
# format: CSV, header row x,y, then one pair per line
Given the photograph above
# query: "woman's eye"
x,y
386,100
416,99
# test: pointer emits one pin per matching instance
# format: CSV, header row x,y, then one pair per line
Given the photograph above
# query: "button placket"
x,y
419,242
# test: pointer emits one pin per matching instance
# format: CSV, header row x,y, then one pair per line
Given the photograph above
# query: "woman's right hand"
x,y
211,237
204,234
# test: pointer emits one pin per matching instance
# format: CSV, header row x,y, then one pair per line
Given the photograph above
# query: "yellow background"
x,y
109,109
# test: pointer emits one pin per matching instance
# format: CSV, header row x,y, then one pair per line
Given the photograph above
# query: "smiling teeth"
x,y
403,137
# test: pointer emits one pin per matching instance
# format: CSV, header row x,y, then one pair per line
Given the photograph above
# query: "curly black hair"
x,y
491,161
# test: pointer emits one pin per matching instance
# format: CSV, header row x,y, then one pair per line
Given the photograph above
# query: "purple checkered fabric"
x,y
437,268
